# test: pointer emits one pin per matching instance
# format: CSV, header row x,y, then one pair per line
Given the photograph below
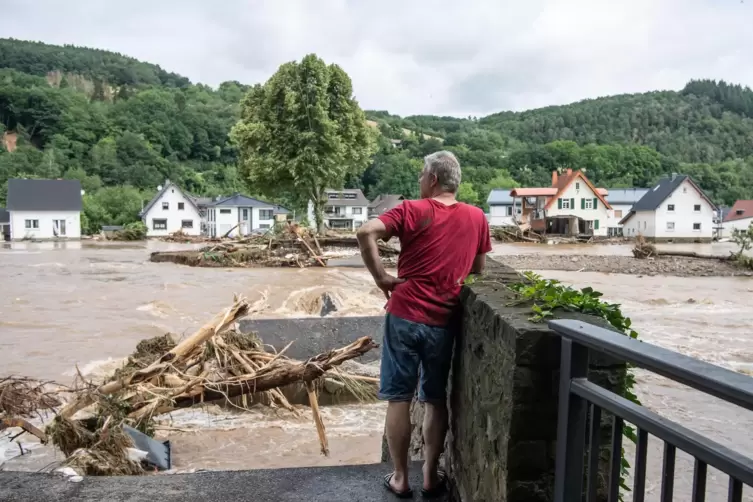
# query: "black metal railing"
x,y
578,396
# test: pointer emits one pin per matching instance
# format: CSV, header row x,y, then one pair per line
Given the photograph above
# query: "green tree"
x,y
303,132
467,194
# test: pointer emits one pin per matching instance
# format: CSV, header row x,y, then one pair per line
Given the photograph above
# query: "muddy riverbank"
x,y
664,265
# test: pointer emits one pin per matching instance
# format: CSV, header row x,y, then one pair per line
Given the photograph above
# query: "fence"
x,y
578,446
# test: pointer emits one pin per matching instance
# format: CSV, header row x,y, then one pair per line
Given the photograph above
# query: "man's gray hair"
x,y
445,166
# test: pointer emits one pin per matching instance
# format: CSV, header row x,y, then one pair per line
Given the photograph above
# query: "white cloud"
x,y
419,56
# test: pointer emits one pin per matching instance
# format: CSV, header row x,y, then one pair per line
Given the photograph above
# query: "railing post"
x,y
571,425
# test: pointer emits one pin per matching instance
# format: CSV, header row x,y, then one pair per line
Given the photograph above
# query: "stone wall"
x,y
503,397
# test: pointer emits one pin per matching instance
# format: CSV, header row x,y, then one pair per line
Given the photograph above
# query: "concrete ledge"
x,y
356,483
315,335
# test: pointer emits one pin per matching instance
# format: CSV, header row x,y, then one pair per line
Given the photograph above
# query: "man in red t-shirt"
x,y
442,241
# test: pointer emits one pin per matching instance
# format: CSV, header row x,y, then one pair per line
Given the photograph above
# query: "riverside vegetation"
x,y
548,296
122,126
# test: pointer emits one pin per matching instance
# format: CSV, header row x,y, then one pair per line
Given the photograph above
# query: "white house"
x,y
571,206
676,209
345,209
4,224
171,210
240,215
383,203
502,212
739,217
622,201
44,209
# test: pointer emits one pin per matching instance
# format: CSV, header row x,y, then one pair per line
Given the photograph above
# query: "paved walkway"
x,y
357,483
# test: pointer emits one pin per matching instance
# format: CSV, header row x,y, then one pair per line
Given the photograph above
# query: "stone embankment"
x,y
661,265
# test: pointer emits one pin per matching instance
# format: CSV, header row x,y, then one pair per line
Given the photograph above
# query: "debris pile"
x,y
643,249
131,232
514,233
215,364
21,399
291,246
181,237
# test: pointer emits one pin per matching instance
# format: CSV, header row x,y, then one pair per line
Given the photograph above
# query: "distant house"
x,y
44,209
676,209
241,215
345,209
383,203
502,212
571,206
4,224
171,210
622,201
739,217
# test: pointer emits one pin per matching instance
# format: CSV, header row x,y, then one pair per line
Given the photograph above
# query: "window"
x,y
265,214
31,223
264,225
244,213
644,225
697,208
618,213
159,224
564,203
696,227
165,206
181,206
509,210
224,211
349,196
670,226
588,203
740,211
684,189
58,227
577,185
333,196
186,224
670,207
357,210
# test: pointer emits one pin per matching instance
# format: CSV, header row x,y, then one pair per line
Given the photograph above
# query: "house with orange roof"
x,y
740,217
571,206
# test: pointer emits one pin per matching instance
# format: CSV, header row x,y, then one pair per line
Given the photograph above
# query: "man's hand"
x,y
387,283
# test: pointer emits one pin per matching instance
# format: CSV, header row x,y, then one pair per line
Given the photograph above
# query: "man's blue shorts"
x,y
408,346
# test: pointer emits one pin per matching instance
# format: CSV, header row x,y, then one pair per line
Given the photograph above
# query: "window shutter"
x,y
582,203
596,224
559,203
596,201
572,203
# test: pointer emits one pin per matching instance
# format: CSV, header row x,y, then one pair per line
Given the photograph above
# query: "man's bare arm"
x,y
367,236
478,264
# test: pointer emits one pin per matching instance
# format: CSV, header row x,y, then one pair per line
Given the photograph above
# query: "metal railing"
x,y
578,396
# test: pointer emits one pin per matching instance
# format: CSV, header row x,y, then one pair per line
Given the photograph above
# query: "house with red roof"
x,y
571,206
739,217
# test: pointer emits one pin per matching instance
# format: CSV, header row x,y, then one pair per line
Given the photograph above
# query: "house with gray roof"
x,y
622,201
346,209
675,210
44,209
383,203
503,211
171,210
239,215
4,224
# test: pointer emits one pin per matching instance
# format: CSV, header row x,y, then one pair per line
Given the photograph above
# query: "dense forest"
x,y
123,126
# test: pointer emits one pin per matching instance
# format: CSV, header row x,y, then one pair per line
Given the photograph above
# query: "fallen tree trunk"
x,y
274,375
692,254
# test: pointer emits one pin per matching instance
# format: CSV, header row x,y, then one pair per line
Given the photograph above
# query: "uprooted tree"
x,y
303,132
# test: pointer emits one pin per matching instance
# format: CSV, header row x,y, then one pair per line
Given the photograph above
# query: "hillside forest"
x,y
123,126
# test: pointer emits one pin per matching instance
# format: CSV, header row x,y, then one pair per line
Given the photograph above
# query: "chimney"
x,y
569,171
554,178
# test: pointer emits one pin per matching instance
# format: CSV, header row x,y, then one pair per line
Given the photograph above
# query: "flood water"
x,y
88,304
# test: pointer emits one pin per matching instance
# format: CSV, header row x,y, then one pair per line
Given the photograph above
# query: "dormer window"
x,y
349,196
333,196
739,212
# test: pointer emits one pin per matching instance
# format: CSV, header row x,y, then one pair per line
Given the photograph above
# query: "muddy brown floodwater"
x,y
88,304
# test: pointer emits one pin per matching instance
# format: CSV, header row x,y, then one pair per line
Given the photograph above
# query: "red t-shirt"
x,y
438,244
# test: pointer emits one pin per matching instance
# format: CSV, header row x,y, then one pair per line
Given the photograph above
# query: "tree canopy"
x,y
303,132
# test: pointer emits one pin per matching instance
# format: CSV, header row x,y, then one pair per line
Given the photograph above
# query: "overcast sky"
x,y
461,57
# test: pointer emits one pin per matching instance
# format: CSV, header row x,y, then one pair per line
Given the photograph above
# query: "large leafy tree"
x,y
302,132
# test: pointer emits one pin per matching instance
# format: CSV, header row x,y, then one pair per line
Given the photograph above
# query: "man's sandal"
x,y
439,489
401,495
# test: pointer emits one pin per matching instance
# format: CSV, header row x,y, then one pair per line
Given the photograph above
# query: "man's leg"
x,y
436,359
398,381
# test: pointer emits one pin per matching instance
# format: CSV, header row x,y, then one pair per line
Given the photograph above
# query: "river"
x,y
88,304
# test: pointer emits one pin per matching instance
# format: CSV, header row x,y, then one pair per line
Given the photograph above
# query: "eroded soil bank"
x,y
662,265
